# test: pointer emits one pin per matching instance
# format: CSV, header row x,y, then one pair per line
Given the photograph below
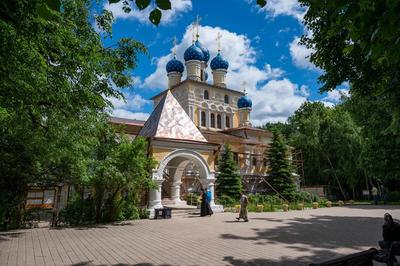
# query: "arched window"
x,y
219,121
212,118
206,96
265,162
226,99
227,122
254,161
203,119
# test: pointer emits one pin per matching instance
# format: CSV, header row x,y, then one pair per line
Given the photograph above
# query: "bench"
x,y
364,258
165,213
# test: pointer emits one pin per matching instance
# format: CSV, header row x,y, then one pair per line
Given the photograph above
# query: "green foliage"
x,y
358,42
229,182
78,211
280,170
261,3
52,94
394,196
155,15
228,201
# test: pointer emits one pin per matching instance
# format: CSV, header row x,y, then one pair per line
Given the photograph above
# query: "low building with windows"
x,y
191,122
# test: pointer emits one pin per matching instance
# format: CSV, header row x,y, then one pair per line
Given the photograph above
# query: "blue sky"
x,y
261,46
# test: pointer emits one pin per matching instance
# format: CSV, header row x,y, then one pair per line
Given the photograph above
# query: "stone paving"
x,y
279,238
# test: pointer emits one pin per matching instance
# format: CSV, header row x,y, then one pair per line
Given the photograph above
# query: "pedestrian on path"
x,y
374,191
205,208
244,201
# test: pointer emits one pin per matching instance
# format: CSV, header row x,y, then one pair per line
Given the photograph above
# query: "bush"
x,y
394,196
78,211
192,199
227,201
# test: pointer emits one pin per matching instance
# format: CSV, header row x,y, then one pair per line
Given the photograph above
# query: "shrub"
x,y
227,201
78,211
394,196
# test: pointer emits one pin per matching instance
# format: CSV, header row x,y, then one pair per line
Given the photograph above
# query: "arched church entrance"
x,y
181,172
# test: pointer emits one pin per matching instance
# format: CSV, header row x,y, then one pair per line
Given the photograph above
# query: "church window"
x,y
227,122
219,121
206,96
203,119
226,99
265,162
254,161
212,120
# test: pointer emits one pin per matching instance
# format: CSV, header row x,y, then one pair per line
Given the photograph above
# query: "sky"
x,y
261,46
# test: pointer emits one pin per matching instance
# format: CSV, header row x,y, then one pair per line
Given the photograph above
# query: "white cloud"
x,y
333,97
122,113
178,7
273,72
291,8
133,102
300,55
273,100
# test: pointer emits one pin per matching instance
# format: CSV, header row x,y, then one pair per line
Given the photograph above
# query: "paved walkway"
x,y
292,238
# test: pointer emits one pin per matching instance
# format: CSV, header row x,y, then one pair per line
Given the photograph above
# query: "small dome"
x,y
174,65
244,102
193,53
219,62
206,53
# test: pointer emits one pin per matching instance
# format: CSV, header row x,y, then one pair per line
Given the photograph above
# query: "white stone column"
x,y
211,187
176,192
155,196
223,116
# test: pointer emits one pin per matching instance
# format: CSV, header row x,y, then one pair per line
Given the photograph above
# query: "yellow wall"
x,y
235,120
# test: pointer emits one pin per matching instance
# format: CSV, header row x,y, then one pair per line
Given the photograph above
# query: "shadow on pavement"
x,y
318,235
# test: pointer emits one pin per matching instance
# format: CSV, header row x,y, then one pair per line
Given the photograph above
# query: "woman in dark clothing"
x,y
205,208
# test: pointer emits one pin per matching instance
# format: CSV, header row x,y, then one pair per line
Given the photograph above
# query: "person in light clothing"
x,y
244,201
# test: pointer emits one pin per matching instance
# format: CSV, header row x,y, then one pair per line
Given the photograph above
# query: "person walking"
x,y
205,208
374,191
244,201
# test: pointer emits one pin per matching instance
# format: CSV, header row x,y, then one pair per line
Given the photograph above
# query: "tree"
x,y
358,42
119,165
229,182
280,169
331,143
53,94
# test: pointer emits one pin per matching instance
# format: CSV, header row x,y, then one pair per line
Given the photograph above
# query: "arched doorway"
x,y
168,177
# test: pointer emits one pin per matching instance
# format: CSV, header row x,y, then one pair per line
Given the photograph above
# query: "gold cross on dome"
x,y
244,87
197,23
219,36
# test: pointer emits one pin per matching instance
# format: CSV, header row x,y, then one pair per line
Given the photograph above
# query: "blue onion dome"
x,y
244,102
174,65
193,53
206,53
219,62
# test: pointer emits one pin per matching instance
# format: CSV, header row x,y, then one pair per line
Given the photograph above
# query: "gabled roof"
x,y
169,120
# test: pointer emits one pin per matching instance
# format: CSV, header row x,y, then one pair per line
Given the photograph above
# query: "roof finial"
x,y
219,36
197,23
174,48
244,87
